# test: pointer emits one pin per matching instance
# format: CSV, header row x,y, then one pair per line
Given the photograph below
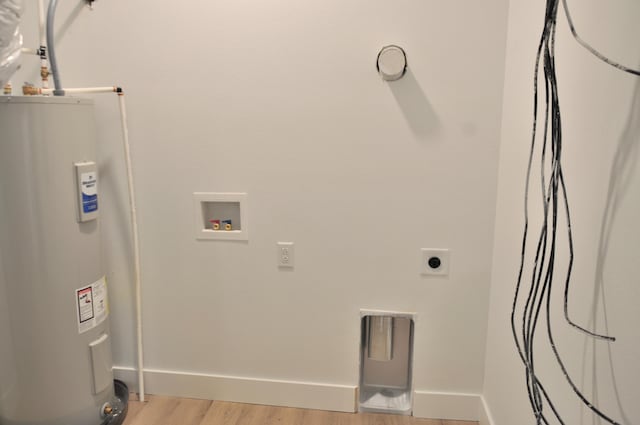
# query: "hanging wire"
x,y
622,68
590,48
555,201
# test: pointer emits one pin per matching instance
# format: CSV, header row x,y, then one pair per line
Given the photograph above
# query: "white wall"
x,y
281,100
601,130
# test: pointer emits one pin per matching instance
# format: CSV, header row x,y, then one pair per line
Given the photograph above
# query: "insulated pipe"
x,y
52,51
93,90
42,23
32,91
42,52
29,51
136,244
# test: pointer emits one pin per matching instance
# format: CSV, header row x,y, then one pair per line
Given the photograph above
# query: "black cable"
x,y
534,386
570,268
622,68
554,199
591,49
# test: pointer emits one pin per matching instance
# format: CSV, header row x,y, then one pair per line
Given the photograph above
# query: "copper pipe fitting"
x,y
44,73
29,90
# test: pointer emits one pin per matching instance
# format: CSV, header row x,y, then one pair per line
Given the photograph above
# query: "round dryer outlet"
x,y
434,262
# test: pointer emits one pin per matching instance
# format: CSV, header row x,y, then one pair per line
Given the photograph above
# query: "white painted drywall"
x,y
281,100
601,133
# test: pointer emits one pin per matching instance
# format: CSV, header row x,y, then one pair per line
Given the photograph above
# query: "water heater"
x,y
55,350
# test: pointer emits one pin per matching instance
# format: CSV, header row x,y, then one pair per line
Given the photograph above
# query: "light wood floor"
x,y
158,410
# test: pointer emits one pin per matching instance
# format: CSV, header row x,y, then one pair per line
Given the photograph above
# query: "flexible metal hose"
x,y
51,12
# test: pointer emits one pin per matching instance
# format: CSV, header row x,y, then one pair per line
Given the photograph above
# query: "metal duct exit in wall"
x,y
380,337
386,354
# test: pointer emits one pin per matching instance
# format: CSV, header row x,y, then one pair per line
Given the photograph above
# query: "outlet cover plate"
x,y
286,254
432,253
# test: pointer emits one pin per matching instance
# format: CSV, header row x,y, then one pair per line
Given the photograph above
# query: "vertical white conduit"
x,y
136,244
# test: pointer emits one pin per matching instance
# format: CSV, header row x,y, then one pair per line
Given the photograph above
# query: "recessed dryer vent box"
x,y
386,362
227,209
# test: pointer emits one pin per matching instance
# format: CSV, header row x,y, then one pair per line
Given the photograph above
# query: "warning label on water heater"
x,y
91,305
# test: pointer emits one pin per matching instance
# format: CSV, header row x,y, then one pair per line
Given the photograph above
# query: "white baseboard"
x,y
485,413
451,406
307,395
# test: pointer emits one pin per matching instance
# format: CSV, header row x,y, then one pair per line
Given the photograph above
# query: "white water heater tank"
x,y
55,353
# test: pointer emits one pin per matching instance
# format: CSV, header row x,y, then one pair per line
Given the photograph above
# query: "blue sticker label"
x,y
89,203
89,183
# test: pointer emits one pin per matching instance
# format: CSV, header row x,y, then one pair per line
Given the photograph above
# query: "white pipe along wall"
x,y
359,173
601,140
136,246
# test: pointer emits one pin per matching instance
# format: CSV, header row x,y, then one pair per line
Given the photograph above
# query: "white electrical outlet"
x,y
434,262
286,254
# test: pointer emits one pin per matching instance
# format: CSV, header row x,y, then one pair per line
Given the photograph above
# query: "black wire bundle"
x,y
554,201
